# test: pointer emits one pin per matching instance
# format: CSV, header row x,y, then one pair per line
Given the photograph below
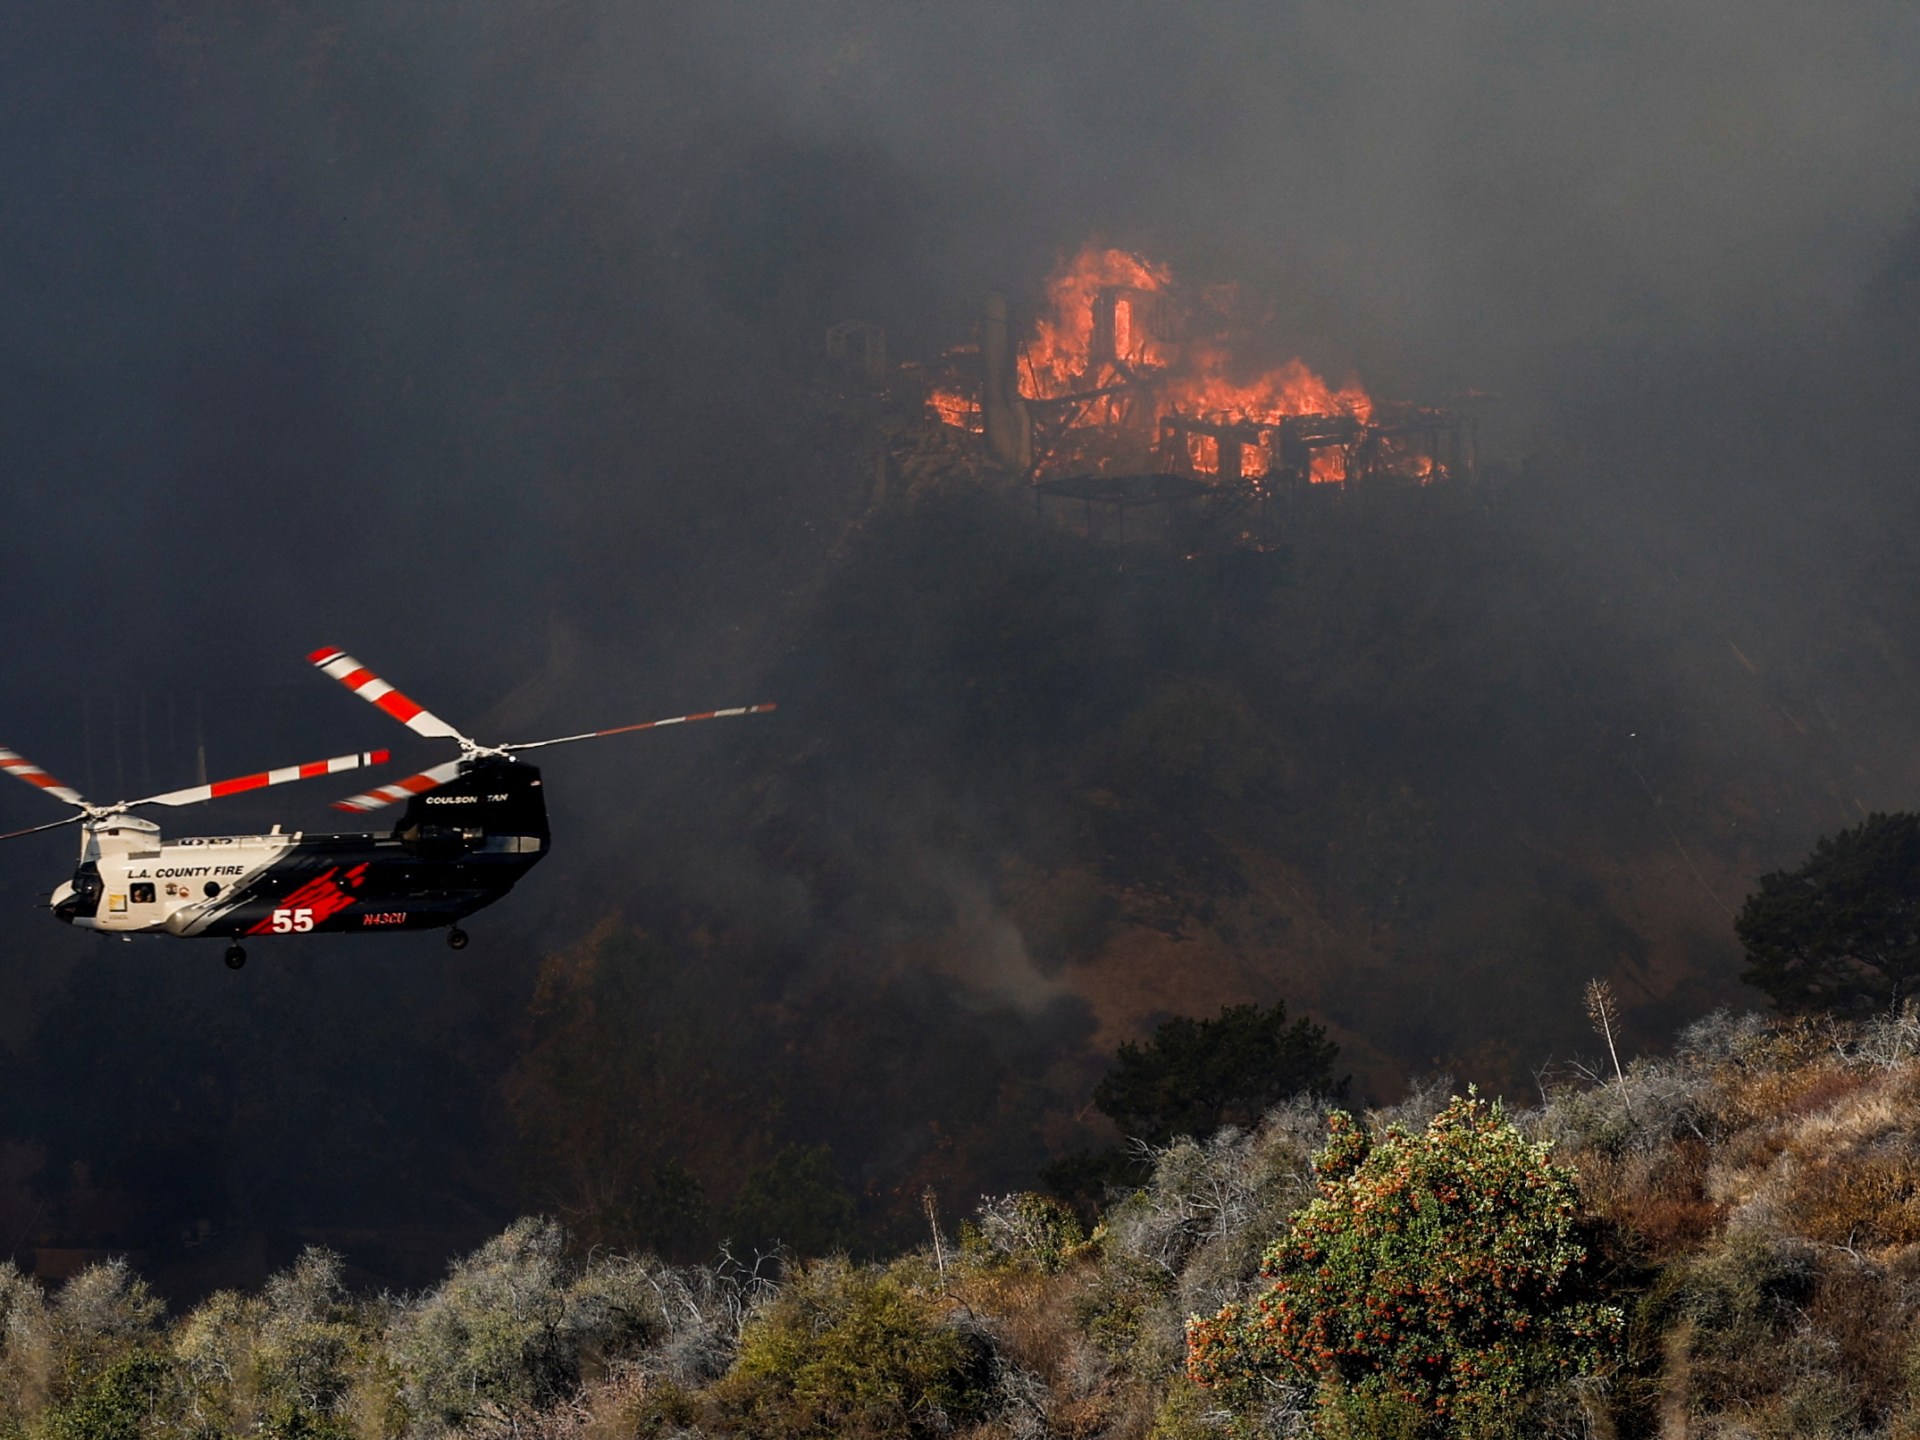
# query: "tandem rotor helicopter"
x,y
472,827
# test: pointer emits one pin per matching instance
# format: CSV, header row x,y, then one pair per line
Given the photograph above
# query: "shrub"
x,y
1441,1275
1196,1076
1738,1296
491,1335
85,1358
305,1341
112,1404
24,1357
845,1351
1023,1229
1205,1212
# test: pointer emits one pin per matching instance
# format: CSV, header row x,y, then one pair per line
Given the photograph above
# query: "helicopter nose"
x,y
62,894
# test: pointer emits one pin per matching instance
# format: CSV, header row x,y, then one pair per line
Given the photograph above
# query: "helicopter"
x,y
471,828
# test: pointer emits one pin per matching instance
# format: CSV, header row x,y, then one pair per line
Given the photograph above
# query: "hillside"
x,y
1419,772
1751,1207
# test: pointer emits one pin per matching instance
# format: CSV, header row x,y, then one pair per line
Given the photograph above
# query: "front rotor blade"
x,y
196,794
645,725
400,789
31,773
375,691
50,825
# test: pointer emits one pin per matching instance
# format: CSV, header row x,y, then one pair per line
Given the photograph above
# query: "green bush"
x,y
1023,1230
1440,1275
845,1351
112,1404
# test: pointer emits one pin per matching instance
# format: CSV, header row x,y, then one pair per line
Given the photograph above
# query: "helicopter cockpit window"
x,y
141,892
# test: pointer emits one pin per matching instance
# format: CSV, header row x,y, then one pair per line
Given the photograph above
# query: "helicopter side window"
x,y
141,892
512,845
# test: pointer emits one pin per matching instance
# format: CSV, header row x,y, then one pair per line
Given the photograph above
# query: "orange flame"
x,y
1060,356
1123,369
1203,388
1110,324
955,409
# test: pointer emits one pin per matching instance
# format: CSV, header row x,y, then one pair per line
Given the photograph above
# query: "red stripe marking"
x,y
398,706
414,784
234,787
317,767
378,757
322,655
354,679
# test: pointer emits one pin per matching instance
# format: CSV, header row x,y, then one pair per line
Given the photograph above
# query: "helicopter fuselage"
x,y
457,849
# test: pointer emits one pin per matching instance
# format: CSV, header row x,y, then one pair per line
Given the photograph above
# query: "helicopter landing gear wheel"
x,y
236,957
456,939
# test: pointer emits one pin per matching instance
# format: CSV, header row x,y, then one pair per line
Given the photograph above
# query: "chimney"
x,y
1008,426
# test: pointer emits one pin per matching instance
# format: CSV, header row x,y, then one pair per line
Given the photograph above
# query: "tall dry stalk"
x,y
930,1204
1603,1009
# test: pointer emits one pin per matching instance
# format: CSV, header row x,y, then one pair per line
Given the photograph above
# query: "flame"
x,y
956,409
1108,338
1329,467
1059,359
1124,370
1204,389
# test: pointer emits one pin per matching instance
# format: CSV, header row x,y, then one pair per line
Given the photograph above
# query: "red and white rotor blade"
x,y
375,691
26,770
645,725
400,789
240,784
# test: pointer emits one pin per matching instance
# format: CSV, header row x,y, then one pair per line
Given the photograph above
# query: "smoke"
x,y
479,341
1464,186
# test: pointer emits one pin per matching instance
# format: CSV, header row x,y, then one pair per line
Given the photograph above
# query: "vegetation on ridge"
x,y
1726,1240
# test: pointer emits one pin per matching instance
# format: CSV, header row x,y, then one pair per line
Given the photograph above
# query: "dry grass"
x,y
1839,1165
1784,1236
1660,1199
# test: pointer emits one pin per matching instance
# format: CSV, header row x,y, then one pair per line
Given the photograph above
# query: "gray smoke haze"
x,y
473,339
333,304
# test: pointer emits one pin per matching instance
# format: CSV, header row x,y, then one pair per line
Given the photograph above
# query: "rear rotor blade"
x,y
375,691
645,725
26,770
36,829
400,789
196,794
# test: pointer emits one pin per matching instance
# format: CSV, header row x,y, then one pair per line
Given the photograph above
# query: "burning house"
x,y
1129,392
